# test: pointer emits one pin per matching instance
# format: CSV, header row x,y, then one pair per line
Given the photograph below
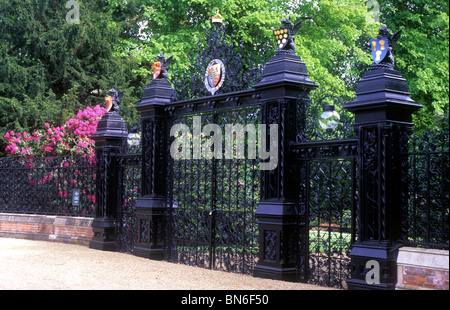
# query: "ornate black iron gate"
x,y
327,163
212,201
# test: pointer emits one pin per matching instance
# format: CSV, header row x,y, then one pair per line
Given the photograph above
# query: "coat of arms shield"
x,y
214,76
156,67
380,48
282,36
108,100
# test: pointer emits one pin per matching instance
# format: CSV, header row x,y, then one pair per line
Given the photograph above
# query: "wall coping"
x,y
59,220
59,228
426,258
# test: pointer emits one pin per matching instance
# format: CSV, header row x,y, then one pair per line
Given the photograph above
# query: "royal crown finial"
x,y
217,19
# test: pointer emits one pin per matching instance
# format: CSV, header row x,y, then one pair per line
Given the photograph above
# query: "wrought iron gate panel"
x,y
328,198
211,202
331,200
129,175
327,166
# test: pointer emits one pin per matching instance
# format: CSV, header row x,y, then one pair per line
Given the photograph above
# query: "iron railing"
x,y
46,185
427,218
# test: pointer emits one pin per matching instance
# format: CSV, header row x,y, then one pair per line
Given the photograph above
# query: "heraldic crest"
x,y
161,67
113,100
286,36
383,57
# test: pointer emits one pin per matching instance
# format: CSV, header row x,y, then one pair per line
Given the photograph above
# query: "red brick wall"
x,y
420,268
43,227
425,278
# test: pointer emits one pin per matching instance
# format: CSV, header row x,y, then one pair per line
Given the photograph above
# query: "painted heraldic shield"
x,y
214,76
380,48
156,66
282,37
108,100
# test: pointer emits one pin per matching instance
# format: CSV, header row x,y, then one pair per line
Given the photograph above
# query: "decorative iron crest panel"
x,y
241,73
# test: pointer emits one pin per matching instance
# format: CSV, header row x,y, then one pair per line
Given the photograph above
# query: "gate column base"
x,y
374,267
104,235
149,214
274,273
277,223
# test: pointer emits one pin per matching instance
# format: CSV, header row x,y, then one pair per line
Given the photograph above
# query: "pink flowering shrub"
x,y
50,154
71,138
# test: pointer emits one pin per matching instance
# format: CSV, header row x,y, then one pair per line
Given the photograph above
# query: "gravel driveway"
x,y
43,265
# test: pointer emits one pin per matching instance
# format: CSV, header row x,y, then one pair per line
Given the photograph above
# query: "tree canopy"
x,y
422,54
49,68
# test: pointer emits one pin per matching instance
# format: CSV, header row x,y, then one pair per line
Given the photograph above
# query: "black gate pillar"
x,y
285,79
109,139
382,111
151,206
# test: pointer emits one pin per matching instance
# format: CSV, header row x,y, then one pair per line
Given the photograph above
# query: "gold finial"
x,y
217,19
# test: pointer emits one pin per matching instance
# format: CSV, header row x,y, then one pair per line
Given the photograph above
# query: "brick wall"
x,y
77,230
422,269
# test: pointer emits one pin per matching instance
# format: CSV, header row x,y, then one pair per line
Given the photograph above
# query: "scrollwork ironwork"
x,y
242,73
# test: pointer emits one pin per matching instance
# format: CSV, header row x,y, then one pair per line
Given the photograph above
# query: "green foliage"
x,y
422,54
332,42
49,68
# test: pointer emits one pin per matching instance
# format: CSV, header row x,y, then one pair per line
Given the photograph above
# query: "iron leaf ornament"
x,y
383,57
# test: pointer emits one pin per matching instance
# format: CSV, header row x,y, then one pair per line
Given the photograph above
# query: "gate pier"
x,y
150,207
284,80
108,139
383,122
